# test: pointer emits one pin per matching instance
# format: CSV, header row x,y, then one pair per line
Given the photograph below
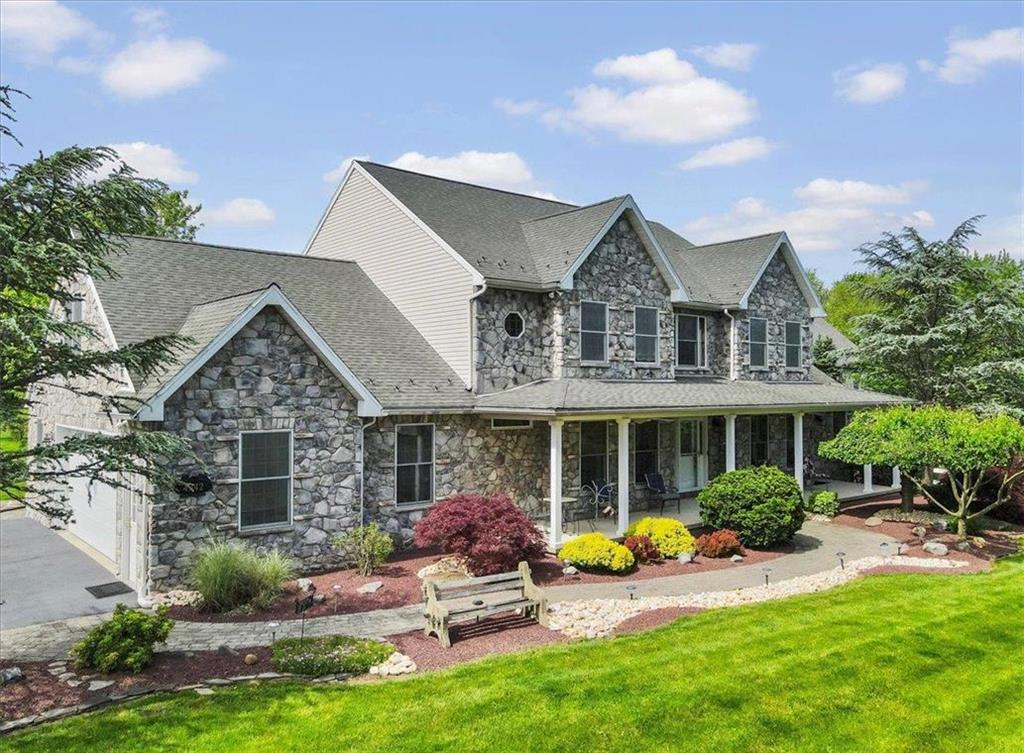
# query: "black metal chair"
x,y
660,493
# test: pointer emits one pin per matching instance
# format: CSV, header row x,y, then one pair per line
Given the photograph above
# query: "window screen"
x,y
414,463
759,343
645,325
594,331
793,344
265,486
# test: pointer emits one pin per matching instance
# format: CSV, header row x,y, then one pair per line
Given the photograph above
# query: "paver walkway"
x,y
816,547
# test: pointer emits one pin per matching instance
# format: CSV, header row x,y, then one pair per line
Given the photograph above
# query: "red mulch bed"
x,y
653,619
40,691
548,571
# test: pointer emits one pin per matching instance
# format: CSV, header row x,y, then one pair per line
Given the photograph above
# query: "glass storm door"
x,y
692,459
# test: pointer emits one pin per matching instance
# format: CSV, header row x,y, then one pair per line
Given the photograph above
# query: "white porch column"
x,y
798,449
730,443
897,477
868,486
555,489
623,479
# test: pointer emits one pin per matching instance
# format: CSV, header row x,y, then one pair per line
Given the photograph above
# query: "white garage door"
x,y
94,513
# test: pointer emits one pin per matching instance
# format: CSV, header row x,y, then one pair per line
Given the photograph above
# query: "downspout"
x,y
472,335
732,345
362,465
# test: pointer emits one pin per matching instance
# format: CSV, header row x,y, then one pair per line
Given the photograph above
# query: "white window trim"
x,y
527,425
521,318
703,365
657,336
433,467
607,324
291,480
750,329
657,449
799,344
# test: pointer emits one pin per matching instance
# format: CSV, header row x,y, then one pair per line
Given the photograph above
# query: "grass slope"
x,y
889,663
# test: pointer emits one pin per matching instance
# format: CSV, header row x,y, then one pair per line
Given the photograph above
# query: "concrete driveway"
x,y
43,577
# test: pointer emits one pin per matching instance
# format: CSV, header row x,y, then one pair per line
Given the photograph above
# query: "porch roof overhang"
x,y
596,398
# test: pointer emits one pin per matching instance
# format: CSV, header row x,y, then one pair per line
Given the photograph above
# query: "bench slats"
x,y
480,611
447,585
458,593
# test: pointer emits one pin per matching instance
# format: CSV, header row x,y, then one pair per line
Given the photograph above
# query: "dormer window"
x,y
691,341
758,341
594,332
645,327
794,345
514,325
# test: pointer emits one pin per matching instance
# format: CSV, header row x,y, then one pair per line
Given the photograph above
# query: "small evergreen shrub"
x,y
366,547
670,536
328,655
595,551
642,548
824,503
723,543
230,577
492,534
762,504
124,642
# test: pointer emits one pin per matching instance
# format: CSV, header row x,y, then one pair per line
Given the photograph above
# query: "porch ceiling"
x,y
693,395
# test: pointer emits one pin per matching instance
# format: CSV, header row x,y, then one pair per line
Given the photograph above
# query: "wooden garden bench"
x,y
469,599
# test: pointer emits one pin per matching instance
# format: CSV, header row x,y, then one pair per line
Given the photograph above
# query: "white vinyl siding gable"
x,y
427,284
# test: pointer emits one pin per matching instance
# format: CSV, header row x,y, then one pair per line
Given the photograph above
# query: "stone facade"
x,y
503,361
265,378
776,297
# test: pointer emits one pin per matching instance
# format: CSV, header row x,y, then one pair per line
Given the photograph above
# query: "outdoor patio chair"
x,y
814,474
660,493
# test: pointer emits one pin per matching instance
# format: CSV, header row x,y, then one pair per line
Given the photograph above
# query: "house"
x,y
438,337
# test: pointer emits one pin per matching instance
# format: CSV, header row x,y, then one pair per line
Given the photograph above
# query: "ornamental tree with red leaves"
x,y
492,533
644,550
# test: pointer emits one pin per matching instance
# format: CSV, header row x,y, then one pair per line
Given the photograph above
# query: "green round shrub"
x,y
762,504
824,503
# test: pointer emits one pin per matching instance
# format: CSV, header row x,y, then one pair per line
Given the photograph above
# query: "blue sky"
x,y
831,121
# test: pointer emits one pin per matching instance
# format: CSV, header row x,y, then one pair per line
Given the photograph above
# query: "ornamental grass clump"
x,y
670,536
232,577
365,547
328,655
125,642
492,534
762,504
595,551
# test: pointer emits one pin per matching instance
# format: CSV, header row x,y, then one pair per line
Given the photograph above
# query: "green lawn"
x,y
890,663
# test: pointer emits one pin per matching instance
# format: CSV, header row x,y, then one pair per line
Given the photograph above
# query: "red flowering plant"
x,y
722,543
492,533
644,550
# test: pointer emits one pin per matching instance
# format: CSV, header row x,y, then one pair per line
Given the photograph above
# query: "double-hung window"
x,y
758,341
594,332
794,344
691,341
414,463
645,328
645,451
758,440
265,481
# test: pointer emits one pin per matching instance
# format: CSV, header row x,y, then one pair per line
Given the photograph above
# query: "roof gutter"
x,y
472,333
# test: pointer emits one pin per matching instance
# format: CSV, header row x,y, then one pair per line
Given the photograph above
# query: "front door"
x,y
692,463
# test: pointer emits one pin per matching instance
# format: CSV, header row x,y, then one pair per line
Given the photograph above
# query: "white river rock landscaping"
x,y
596,618
396,664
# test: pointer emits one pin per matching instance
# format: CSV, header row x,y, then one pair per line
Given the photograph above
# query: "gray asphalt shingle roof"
x,y
165,285
596,395
723,272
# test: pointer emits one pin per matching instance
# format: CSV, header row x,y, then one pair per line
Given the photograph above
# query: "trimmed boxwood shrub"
x,y
762,504
824,503
595,551
493,534
670,536
328,655
124,642
724,543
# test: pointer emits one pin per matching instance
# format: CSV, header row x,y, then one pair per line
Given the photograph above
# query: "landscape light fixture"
x,y
884,547
767,571
842,560
337,595
630,590
273,631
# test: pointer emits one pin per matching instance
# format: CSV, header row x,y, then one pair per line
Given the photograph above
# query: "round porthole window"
x,y
514,325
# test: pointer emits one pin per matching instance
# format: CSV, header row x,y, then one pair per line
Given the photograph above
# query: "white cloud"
x,y
967,59
335,175
836,214
240,211
152,67
738,57
505,170
149,19
155,161
730,153
669,102
514,107
37,30
870,85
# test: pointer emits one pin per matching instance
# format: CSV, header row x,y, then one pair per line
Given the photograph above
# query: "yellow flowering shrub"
x,y
595,551
670,536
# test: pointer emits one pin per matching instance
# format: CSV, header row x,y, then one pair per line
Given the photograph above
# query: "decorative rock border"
x,y
596,618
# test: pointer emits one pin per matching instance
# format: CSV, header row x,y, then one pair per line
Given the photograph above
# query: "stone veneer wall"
x,y
503,361
717,344
266,377
776,297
